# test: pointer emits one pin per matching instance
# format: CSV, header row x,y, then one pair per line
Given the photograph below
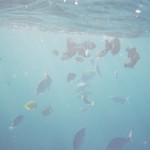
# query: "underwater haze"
x,y
74,75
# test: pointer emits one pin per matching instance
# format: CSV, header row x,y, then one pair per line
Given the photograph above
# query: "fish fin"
x,y
130,135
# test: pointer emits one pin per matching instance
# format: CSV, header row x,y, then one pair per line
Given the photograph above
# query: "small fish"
x,y
55,52
101,53
86,76
44,84
71,76
118,143
79,138
16,121
31,105
87,101
131,52
47,110
133,56
116,46
79,59
119,99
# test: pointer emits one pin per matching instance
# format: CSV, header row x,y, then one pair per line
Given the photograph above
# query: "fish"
x,y
47,110
101,53
31,105
79,138
131,52
44,84
86,76
71,76
16,121
72,48
119,99
87,101
118,143
55,52
116,46
133,56
79,59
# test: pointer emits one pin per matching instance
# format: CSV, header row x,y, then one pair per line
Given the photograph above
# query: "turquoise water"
x,y
26,53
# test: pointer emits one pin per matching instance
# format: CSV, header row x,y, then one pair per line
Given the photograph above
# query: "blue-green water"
x,y
26,53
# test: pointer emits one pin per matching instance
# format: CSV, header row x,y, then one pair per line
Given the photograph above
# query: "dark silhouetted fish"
x,y
78,139
44,84
17,121
86,76
119,99
71,76
79,59
101,53
131,52
31,105
55,52
116,46
133,56
47,110
118,143
86,100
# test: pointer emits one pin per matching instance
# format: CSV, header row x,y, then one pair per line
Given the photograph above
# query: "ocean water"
x,y
34,39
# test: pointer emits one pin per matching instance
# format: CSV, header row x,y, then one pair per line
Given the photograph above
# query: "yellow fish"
x,y
31,105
